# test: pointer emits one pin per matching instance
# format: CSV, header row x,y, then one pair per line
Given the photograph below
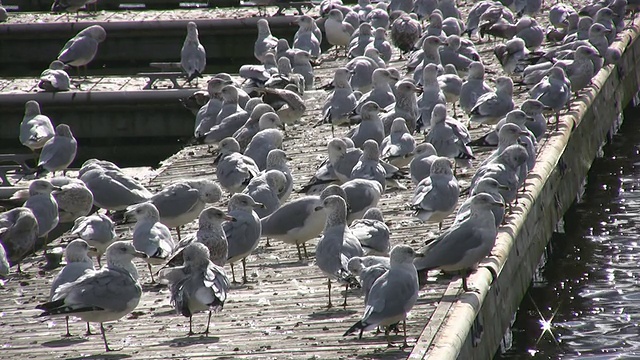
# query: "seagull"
x,y
392,295
82,48
193,57
58,152
55,78
97,230
198,285
462,246
18,233
78,263
243,234
337,245
35,129
436,196
150,236
234,170
104,295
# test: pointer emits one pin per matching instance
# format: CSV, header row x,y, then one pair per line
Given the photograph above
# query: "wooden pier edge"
x,y
473,325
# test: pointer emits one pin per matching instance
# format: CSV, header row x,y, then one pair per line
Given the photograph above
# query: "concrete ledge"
x,y
476,322
134,44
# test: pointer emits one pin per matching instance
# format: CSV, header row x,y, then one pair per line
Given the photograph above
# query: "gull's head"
x,y
425,149
243,202
403,254
260,110
441,166
214,215
145,210
333,189
337,147
399,125
484,201
518,116
336,14
76,251
269,120
371,150
195,253
123,251
64,130
276,158
439,114
373,214
229,93
41,186
370,108
228,145
208,190
532,107
453,41
276,180
31,108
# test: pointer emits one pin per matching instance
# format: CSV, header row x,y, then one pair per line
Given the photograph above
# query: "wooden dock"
x,y
280,313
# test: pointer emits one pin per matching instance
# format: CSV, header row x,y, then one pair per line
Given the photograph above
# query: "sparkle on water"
x,y
585,301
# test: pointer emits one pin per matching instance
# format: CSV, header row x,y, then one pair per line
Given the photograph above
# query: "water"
x,y
586,303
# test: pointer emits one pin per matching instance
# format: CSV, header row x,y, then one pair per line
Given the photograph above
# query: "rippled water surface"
x,y
586,302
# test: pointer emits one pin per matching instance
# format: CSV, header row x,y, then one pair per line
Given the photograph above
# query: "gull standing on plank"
x,y
474,87
267,119
370,127
337,245
381,44
399,146
230,105
150,236
198,285
420,166
265,41
232,124
436,197
361,195
302,66
406,106
82,48
392,295
534,108
367,275
44,206
35,129
449,137
430,55
381,94
305,39
505,169
263,142
462,246
234,170
451,85
553,91
54,78
182,202
243,234
432,95
104,295
360,42
341,102
74,199
18,233
450,54
193,57
211,234
337,31
362,67
405,33
291,105
277,160
492,106
208,113
299,220
78,262
372,233
97,230
369,166
58,152
266,189
113,190
489,186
